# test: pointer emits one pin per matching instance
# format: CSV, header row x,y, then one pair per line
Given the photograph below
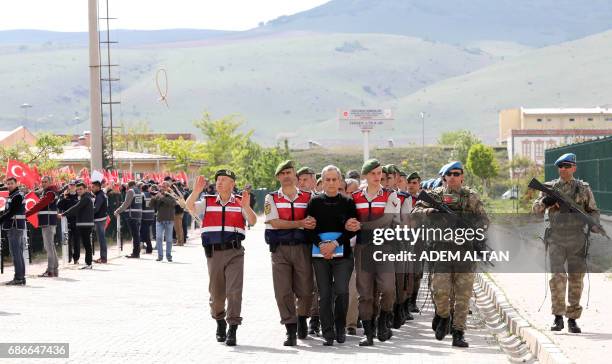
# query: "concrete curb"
x,y
546,351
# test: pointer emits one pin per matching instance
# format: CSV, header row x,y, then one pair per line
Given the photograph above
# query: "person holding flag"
x,y
13,222
46,208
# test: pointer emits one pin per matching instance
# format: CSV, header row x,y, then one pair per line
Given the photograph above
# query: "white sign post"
x,y
366,120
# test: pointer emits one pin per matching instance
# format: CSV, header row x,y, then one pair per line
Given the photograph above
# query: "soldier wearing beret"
x,y
566,241
292,272
452,282
376,207
223,230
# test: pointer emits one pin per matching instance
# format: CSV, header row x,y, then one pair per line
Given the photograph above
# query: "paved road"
x,y
148,311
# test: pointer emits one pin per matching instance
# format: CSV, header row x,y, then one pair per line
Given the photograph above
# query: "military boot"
x,y
383,331
434,322
314,326
368,332
231,335
572,326
398,320
458,339
302,327
291,335
221,327
558,324
442,328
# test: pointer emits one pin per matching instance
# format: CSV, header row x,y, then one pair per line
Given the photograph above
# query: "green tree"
x,y
461,141
184,152
38,154
481,162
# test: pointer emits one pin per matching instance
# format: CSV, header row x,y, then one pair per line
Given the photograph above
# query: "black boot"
x,y
302,327
442,328
384,332
315,326
368,332
458,339
407,313
374,325
231,335
340,334
434,322
221,327
412,304
351,331
572,326
398,320
291,335
558,324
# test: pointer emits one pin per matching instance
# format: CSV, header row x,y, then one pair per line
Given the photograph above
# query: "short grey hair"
x,y
331,167
351,181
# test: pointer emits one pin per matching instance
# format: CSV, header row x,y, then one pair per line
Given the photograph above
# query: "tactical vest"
x,y
370,210
290,211
222,224
47,216
148,214
135,209
18,221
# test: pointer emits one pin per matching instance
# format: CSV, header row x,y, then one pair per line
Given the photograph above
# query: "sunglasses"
x,y
455,174
565,165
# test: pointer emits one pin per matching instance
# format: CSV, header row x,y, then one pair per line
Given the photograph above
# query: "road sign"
x,y
366,119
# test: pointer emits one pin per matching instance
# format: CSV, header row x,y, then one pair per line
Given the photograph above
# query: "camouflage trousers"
x,y
561,251
452,291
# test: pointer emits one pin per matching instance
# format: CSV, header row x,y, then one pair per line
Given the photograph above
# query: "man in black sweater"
x,y
84,212
333,266
66,200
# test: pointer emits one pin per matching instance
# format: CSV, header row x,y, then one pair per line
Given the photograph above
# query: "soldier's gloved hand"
x,y
548,201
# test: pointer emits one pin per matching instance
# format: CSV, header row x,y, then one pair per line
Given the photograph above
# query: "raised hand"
x,y
199,185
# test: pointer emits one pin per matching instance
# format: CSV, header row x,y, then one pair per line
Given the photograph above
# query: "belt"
x,y
292,243
225,246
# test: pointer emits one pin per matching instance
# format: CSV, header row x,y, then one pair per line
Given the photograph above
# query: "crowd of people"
x,y
147,208
318,230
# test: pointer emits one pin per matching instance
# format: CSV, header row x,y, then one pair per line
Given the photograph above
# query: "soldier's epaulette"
x,y
584,183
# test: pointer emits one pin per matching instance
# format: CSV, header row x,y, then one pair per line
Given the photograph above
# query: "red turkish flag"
x,y
22,173
3,196
30,200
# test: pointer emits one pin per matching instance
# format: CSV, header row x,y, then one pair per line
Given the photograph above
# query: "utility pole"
x,y
95,106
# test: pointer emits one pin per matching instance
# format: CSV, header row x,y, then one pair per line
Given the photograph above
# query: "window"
x,y
590,119
572,119
608,119
539,149
526,148
551,144
539,120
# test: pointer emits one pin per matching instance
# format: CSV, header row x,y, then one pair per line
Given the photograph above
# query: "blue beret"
x,y
441,171
566,158
437,182
450,166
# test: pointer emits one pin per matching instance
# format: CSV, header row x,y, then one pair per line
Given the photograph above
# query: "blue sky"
x,y
71,15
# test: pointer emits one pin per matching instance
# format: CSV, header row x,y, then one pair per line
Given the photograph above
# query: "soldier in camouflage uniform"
x,y
453,281
566,241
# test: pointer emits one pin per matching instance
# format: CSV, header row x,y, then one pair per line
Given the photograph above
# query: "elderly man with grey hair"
x,y
332,253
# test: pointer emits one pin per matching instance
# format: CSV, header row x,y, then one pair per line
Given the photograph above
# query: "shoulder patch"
x,y
267,208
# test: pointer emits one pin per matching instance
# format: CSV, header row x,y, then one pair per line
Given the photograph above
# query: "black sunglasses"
x,y
566,165
456,174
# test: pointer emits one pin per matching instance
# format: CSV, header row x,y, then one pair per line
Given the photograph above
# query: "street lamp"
x,y
423,143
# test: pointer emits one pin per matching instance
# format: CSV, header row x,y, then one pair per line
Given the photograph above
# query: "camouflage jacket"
x,y
574,190
464,201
